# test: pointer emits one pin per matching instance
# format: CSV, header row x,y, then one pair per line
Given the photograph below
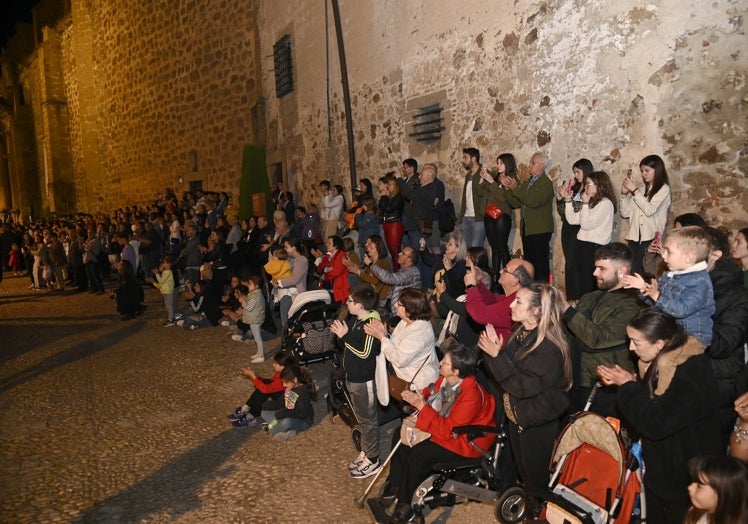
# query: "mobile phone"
x,y
628,173
571,183
657,237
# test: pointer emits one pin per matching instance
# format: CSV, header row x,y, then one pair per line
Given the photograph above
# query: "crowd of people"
x,y
659,317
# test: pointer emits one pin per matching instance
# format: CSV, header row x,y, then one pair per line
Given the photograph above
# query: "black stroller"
x,y
307,335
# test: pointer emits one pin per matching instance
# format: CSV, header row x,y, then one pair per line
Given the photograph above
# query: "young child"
x,y
719,491
266,396
253,314
165,284
204,310
279,267
297,413
685,292
15,260
359,362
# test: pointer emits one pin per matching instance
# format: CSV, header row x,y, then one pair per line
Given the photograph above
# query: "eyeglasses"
x,y
505,270
407,254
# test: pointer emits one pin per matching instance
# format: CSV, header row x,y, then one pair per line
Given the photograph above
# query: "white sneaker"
x,y
225,323
357,461
257,359
366,469
237,337
285,435
180,322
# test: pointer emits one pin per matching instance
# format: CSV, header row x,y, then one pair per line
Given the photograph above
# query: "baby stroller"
x,y
308,334
595,478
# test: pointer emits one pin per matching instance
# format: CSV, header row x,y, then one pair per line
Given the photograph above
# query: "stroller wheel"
x,y
356,438
512,506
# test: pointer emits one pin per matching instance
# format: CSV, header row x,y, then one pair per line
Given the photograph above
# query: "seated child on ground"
x,y
229,301
267,396
685,291
297,413
204,310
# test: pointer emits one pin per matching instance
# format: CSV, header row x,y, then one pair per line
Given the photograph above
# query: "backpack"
x,y
445,213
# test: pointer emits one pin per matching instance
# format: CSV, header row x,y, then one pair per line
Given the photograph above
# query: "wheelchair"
x,y
478,479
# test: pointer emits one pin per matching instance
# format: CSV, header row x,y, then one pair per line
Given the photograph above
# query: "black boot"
x,y
403,513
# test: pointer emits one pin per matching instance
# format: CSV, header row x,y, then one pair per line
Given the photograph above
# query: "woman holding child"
x,y
296,283
673,406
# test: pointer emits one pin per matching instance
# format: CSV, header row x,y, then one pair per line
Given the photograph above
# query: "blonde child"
x,y
253,315
685,291
279,267
719,491
164,282
297,413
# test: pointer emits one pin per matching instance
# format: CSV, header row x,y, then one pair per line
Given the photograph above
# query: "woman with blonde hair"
x,y
534,372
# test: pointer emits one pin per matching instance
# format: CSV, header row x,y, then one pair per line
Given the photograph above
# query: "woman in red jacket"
x,y
456,399
331,267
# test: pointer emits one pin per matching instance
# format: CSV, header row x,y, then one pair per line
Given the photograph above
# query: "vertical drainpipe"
x,y
346,92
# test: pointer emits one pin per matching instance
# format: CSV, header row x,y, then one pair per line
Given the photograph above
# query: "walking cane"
x,y
359,502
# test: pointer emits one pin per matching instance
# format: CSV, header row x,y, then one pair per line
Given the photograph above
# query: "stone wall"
x,y
158,91
610,81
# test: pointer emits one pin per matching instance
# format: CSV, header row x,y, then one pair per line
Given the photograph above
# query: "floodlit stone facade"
x,y
128,98
610,81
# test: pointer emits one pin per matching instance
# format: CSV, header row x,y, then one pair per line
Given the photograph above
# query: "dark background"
x,y
11,12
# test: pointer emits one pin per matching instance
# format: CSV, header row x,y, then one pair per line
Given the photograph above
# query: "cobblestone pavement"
x,y
110,421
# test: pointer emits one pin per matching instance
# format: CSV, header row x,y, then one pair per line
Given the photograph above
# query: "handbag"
x,y
410,435
397,385
425,227
494,211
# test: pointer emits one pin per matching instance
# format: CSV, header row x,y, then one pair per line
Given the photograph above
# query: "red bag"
x,y
494,211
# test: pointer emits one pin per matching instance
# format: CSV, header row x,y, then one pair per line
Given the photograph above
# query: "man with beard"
x,y
474,196
598,328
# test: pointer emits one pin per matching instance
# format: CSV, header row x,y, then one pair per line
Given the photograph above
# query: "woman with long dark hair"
x,y
595,221
646,207
571,192
673,406
498,229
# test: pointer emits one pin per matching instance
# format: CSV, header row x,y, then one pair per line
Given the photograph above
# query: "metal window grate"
x,y
427,124
283,66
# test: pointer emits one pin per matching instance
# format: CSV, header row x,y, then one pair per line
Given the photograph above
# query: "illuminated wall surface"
x,y
129,96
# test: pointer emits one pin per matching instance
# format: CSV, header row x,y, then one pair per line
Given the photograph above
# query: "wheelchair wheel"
x,y
356,438
512,506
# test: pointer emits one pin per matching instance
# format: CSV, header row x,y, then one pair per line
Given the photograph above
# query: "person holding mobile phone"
x,y
646,208
571,191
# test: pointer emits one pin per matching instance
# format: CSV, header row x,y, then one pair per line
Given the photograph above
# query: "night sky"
x,y
12,11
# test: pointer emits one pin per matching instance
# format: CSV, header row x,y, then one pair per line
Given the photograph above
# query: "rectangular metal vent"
x,y
283,66
427,124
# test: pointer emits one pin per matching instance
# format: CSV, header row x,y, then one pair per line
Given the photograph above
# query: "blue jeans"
x,y
284,424
189,321
473,232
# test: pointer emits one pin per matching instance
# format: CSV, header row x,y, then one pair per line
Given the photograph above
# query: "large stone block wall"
x,y
610,81
157,91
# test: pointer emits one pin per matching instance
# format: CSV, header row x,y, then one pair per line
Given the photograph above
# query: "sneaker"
x,y
237,337
168,323
285,435
257,359
180,322
357,461
366,469
265,426
245,422
237,414
193,326
225,323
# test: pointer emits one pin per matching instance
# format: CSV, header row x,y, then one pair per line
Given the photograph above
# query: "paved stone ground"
x,y
110,421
